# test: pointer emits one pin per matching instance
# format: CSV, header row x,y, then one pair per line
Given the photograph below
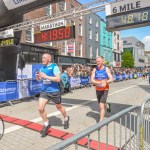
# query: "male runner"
x,y
101,77
50,75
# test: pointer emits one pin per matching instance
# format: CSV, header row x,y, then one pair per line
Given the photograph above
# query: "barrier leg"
x,y
10,103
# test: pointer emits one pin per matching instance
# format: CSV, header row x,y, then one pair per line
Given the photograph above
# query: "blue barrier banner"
x,y
11,90
34,68
114,77
75,81
35,87
84,80
120,77
2,91
23,89
117,77
123,76
131,76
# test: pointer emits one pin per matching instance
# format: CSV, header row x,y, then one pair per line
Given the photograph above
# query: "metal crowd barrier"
x,y
126,130
118,131
144,134
19,89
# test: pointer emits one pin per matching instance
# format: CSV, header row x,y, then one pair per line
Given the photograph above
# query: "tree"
x,y
127,59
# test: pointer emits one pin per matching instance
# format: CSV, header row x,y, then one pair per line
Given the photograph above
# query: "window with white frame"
x,y
64,47
48,10
104,55
62,5
80,49
80,29
72,22
90,34
90,20
81,17
29,35
96,51
96,24
96,36
90,51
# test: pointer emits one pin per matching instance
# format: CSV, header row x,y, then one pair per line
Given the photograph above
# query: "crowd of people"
x,y
77,70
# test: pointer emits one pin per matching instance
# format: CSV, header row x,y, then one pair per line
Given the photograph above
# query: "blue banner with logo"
x,y
36,67
35,87
123,76
84,80
2,91
117,77
8,91
11,90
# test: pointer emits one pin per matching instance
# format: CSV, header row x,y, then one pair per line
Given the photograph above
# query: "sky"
x,y
142,33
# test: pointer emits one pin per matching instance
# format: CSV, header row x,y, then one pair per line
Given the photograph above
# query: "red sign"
x,y
118,64
55,34
70,48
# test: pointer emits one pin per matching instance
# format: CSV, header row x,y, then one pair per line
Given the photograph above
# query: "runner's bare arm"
x,y
109,75
56,78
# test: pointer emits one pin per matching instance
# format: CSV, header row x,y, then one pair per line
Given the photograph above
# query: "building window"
x,y
104,30
90,34
29,35
48,10
114,56
90,20
96,51
96,24
72,22
90,51
104,41
62,6
118,46
108,42
64,47
80,49
117,36
81,17
96,34
80,29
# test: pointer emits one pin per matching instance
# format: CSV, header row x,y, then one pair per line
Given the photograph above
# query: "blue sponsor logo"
x,y
22,76
19,1
7,90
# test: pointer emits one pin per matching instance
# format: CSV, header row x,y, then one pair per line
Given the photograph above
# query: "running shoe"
x,y
44,130
66,123
108,107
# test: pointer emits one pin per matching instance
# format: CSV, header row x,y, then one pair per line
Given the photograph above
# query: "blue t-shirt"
x,y
48,85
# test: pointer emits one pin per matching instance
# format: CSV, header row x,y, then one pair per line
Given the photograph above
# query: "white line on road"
x,y
17,127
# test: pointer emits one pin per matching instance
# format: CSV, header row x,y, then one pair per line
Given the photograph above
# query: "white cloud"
x,y
146,41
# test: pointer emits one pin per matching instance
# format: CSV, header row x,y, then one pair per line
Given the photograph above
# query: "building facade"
x,y
105,43
136,48
147,58
117,49
92,35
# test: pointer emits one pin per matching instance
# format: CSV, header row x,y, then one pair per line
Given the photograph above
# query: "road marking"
x,y
36,120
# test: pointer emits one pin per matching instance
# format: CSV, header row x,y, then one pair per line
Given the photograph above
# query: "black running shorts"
x,y
54,96
102,96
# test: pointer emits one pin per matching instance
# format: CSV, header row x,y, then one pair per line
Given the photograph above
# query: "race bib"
x,y
46,81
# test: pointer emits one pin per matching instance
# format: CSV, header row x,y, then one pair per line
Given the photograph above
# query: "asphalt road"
x,y
81,106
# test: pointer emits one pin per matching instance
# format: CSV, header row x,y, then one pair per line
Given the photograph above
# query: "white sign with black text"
x,y
12,4
125,6
52,25
7,34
